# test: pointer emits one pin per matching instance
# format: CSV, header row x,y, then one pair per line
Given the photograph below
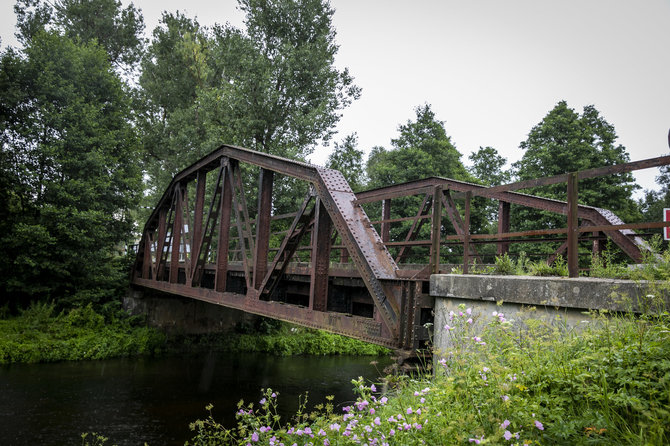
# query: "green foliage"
x,y
566,141
39,335
349,160
71,155
285,341
504,382
104,22
272,87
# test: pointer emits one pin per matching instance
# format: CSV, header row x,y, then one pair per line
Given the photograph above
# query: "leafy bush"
x,y
37,335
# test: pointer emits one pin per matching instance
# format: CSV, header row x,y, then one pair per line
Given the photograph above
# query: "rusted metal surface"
x,y
286,266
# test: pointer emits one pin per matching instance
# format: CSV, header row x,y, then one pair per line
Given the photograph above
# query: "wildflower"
x,y
391,432
326,442
368,429
254,437
373,388
505,398
469,321
508,435
409,410
418,411
335,427
383,400
372,411
504,424
274,395
448,327
391,419
377,421
422,400
476,440
416,393
346,408
443,362
469,311
426,390
539,425
263,401
308,431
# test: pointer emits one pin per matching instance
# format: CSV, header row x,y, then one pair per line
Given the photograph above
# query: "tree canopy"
x,y
70,157
566,141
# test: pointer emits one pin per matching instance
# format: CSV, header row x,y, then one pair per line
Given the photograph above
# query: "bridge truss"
x,y
222,234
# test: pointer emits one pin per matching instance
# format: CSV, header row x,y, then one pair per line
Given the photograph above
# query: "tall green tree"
x,y
422,149
271,87
70,153
566,141
116,29
349,160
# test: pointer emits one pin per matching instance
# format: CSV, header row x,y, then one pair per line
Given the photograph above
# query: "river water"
x,y
152,400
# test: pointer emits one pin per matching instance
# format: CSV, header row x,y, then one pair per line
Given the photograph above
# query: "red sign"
x,y
666,217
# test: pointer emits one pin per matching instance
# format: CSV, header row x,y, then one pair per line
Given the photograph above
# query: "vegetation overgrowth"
x,y
655,265
509,382
42,334
285,340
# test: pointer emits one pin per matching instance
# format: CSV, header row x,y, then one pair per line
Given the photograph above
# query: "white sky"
x,y
491,69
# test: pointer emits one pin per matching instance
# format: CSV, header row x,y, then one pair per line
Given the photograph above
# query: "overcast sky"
x,y
491,69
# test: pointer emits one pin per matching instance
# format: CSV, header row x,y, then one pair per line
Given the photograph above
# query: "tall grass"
x,y
510,382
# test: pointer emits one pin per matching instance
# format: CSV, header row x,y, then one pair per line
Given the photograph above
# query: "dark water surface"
x,y
152,400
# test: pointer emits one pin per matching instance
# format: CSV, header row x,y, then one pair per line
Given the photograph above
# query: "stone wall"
x,y
556,300
180,315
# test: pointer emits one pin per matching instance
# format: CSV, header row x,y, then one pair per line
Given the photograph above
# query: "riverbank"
x,y
518,382
41,334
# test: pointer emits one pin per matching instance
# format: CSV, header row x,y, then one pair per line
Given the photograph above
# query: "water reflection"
x,y
153,399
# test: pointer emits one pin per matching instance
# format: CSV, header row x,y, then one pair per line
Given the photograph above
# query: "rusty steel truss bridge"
x,y
222,234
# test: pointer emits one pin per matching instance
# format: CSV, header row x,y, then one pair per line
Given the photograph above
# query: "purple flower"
x,y
372,411
476,440
335,427
505,398
409,410
504,424
377,421
508,435
469,311
448,327
254,437
262,401
346,408
373,388
539,425
383,400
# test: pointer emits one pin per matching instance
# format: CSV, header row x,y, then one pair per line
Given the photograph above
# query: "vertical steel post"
x,y
198,212
573,227
162,233
318,289
224,229
466,233
436,230
176,235
147,262
386,215
260,261
503,226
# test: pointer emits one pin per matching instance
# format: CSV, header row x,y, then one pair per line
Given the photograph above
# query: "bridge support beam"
x,y
323,228
263,226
